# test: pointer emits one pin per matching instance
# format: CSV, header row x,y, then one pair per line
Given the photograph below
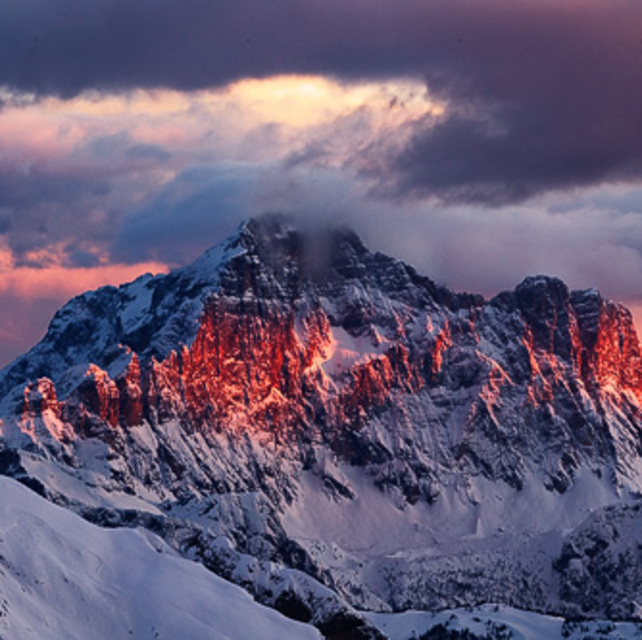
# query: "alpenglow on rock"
x,y
311,409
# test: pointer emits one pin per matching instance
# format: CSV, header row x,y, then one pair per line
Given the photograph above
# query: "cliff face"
x,y
276,358
298,345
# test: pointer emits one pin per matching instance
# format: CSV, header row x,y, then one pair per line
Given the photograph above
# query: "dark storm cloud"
x,y
546,100
42,207
542,95
39,207
65,47
31,187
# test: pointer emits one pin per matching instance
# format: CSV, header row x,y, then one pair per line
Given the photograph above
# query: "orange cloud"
x,y
193,122
61,282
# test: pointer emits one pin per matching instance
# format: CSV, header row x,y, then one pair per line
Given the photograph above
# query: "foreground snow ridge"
x,y
498,622
62,578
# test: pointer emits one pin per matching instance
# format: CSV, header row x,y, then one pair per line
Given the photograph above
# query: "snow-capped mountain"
x,y
328,428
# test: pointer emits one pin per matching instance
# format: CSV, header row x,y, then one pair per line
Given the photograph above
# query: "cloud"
x,y
526,149
542,95
151,152
157,175
488,254
66,48
595,242
540,98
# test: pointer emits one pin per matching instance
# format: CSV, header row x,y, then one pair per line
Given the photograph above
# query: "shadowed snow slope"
x,y
63,578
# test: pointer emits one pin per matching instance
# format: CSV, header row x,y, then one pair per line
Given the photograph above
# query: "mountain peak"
x,y
279,241
269,227
271,260
267,258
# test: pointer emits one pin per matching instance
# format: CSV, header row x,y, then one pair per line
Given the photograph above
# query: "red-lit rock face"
x,y
248,366
38,397
360,354
580,337
130,394
612,358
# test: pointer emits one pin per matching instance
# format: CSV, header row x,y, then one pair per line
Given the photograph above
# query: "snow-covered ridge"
x,y
151,316
65,579
496,622
62,578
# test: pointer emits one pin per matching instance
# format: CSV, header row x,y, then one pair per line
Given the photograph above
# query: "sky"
x,y
480,140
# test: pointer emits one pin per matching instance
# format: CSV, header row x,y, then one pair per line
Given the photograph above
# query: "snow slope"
x,y
63,578
497,621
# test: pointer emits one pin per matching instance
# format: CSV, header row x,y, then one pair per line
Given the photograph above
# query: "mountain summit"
x,y
297,405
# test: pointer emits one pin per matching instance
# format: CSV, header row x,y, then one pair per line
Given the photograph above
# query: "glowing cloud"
x,y
59,282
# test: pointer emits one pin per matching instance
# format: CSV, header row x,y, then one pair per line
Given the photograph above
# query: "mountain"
x,y
326,427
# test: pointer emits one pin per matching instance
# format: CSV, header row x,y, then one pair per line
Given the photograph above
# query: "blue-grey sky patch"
x,y
188,215
152,152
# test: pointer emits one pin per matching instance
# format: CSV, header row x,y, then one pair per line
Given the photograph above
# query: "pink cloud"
x,y
61,282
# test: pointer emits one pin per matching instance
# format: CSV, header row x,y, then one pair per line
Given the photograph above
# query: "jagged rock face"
x,y
275,357
306,344
245,364
40,396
